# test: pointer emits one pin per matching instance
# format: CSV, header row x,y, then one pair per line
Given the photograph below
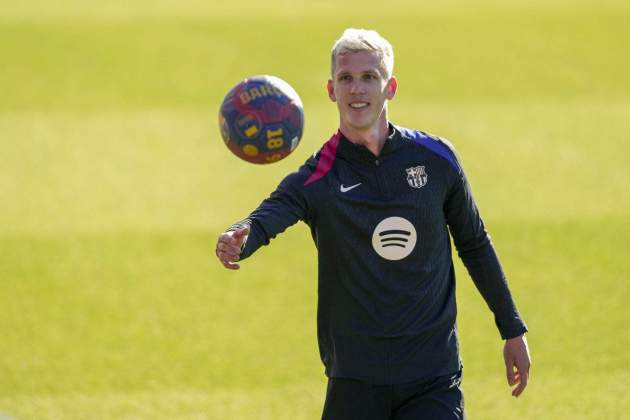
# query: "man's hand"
x,y
517,363
229,247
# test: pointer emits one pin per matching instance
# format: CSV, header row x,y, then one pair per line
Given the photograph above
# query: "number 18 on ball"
x,y
262,119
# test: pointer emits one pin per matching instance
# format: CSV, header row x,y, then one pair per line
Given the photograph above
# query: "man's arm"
x,y
284,207
478,255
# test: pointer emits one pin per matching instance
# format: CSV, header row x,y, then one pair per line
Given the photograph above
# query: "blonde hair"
x,y
357,40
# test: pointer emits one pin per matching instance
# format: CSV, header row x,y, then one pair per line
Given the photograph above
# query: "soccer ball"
x,y
262,119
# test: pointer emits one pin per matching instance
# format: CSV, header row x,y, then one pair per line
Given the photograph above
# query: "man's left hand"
x,y
517,363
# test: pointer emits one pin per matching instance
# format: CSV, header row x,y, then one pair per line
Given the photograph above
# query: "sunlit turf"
x,y
169,170
150,324
114,185
96,64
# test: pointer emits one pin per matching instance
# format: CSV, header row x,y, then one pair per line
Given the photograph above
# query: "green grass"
x,y
114,185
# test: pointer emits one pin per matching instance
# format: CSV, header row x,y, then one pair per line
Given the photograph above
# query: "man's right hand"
x,y
229,247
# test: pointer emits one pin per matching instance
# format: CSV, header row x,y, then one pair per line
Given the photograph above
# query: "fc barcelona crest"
x,y
417,177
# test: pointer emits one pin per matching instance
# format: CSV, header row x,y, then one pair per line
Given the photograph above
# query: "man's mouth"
x,y
359,105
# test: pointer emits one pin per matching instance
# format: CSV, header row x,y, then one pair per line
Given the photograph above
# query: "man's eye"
x,y
346,78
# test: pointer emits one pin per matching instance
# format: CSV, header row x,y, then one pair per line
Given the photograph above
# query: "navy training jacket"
x,y
386,310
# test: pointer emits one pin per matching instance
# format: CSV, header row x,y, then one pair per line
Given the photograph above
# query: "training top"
x,y
386,311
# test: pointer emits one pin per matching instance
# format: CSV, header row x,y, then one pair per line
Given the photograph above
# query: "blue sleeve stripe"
x,y
434,145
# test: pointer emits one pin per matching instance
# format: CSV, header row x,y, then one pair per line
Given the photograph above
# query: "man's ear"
x,y
392,86
331,90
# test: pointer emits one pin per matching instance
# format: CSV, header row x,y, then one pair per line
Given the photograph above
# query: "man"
x,y
380,201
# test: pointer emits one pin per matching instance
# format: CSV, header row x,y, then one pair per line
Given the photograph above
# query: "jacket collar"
x,y
353,151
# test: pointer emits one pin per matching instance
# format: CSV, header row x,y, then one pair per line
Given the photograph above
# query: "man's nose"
x,y
356,87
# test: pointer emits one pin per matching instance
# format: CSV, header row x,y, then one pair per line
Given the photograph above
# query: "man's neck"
x,y
373,138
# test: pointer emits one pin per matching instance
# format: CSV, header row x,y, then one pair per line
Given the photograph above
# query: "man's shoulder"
x,y
321,162
434,144
315,167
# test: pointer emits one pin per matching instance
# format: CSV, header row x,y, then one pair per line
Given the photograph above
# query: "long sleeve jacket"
x,y
386,283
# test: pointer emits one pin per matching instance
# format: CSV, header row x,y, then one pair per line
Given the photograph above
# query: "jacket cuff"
x,y
514,330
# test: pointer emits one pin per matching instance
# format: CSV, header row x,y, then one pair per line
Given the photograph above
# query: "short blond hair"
x,y
357,40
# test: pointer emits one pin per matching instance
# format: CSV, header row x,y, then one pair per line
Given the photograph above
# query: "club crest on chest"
x,y
417,176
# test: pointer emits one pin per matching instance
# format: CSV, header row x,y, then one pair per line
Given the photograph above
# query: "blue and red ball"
x,y
262,119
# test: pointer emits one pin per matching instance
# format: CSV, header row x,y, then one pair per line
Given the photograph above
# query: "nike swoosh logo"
x,y
346,189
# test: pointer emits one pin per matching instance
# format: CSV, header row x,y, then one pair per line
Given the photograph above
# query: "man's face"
x,y
360,88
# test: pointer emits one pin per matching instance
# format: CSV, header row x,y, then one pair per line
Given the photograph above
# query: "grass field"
x,y
114,185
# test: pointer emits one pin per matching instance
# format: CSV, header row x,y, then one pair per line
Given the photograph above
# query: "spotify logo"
x,y
394,238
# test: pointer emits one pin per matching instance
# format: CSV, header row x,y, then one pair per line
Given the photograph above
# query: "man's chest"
x,y
402,196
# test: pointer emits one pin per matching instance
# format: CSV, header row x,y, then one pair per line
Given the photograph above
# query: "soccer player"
x,y
380,201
